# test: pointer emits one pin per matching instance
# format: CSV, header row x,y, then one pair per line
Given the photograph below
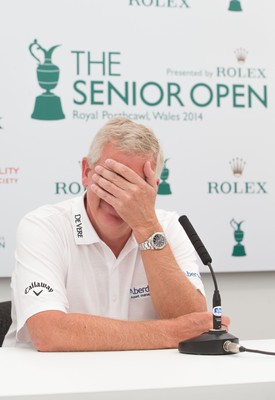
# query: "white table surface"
x,y
142,375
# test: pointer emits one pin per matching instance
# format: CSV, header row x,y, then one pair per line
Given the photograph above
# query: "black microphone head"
x,y
195,240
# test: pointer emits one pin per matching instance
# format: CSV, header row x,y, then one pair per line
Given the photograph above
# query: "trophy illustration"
x,y
238,250
164,187
235,5
47,105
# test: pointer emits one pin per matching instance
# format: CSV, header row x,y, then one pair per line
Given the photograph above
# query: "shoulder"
x,y
167,217
49,216
169,220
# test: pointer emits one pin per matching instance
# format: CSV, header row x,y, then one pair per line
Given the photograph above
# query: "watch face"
x,y
159,240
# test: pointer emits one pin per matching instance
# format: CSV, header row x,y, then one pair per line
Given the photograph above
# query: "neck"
x,y
117,244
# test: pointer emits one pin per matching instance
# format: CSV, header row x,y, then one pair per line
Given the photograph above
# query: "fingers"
x,y
123,171
126,189
130,175
105,177
225,322
104,195
114,177
110,185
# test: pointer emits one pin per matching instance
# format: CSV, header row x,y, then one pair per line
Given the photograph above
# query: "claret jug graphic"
x,y
47,105
164,187
238,250
235,5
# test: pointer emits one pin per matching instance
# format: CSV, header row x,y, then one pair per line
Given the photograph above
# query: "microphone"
x,y
212,342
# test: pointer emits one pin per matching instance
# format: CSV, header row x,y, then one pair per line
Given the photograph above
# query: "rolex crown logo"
x,y
237,166
241,55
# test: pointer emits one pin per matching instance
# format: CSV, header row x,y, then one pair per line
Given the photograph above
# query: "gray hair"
x,y
126,135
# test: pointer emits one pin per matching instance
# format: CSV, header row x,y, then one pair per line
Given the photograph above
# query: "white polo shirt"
x,y
62,264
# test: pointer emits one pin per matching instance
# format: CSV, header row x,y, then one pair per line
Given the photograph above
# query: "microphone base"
x,y
209,343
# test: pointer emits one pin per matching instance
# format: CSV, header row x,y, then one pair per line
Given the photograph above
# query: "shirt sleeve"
x,y
39,278
184,251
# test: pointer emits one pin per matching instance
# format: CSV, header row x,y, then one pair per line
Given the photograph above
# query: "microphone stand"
x,y
213,341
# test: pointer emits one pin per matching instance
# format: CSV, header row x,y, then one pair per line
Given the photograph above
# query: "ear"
x,y
85,171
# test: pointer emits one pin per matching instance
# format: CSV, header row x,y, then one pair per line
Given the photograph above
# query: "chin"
x,y
110,214
115,219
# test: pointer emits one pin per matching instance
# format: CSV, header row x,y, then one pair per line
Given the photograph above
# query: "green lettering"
x,y
77,89
94,91
175,94
236,95
112,88
209,93
222,91
142,93
252,92
214,186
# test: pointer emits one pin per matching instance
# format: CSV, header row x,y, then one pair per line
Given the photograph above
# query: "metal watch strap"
x,y
149,243
146,245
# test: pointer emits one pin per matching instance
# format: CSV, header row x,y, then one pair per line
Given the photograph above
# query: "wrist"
x,y
142,233
166,331
157,241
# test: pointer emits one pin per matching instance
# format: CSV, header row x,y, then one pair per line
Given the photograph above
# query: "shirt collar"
x,y
83,230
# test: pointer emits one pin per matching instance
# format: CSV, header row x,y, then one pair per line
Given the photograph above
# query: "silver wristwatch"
x,y
155,242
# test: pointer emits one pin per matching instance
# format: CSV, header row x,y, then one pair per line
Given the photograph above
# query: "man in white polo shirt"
x,y
107,271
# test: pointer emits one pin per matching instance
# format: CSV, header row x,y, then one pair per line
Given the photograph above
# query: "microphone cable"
x,y
231,347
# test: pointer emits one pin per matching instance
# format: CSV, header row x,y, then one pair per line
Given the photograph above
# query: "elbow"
x,y
201,304
46,330
197,304
44,344
43,348
202,307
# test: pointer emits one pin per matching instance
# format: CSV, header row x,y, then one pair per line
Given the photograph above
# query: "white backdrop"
x,y
199,73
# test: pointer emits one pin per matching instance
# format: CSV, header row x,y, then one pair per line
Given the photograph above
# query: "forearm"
x,y
171,291
57,331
